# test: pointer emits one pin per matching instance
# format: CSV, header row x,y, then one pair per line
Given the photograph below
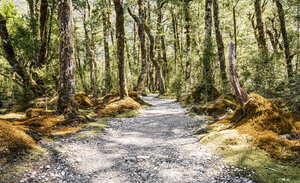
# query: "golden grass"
x,y
267,124
117,106
83,101
14,138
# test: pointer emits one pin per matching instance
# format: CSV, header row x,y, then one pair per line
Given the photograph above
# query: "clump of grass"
x,y
238,150
118,106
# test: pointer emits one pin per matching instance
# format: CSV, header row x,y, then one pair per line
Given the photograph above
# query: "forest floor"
x,y
156,146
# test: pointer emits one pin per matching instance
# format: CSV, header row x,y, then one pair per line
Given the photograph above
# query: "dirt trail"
x,y
156,146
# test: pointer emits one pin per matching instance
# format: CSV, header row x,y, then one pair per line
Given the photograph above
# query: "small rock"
x,y
142,157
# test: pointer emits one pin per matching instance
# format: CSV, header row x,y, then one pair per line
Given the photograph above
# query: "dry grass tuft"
x,y
117,106
13,138
268,126
135,96
42,124
35,112
215,109
83,101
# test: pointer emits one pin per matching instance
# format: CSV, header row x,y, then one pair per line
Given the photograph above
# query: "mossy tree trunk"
x,y
108,82
188,40
44,14
10,55
260,27
220,45
159,75
66,94
208,81
288,56
120,35
143,73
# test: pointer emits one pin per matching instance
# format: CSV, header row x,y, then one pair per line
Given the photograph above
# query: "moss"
x,y
35,112
128,114
83,101
118,106
13,138
238,150
266,123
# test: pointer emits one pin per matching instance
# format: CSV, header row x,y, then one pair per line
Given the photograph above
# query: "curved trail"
x,y
156,146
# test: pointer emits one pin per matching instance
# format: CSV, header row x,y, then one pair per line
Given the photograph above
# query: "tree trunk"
x,y
240,93
260,27
288,57
159,75
207,52
164,51
188,40
175,40
234,30
141,22
220,45
66,94
120,33
44,14
9,54
108,83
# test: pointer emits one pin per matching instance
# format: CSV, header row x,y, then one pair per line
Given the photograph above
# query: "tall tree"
x,y
208,81
10,55
120,34
260,27
188,39
288,56
141,32
220,45
44,14
108,82
66,94
155,62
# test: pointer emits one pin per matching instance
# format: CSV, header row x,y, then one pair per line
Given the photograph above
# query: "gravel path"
x,y
156,146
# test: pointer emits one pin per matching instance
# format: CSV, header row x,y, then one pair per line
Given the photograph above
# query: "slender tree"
x,y
120,35
188,39
141,32
44,14
208,81
260,27
220,45
108,82
288,56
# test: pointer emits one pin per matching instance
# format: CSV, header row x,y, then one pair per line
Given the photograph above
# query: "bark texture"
x,y
220,45
240,93
207,52
66,94
44,14
10,55
108,82
120,33
155,62
260,27
141,22
188,40
288,57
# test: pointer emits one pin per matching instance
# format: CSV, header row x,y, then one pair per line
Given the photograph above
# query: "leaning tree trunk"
x,y
159,75
9,54
240,93
66,94
44,14
120,33
288,57
141,22
220,46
